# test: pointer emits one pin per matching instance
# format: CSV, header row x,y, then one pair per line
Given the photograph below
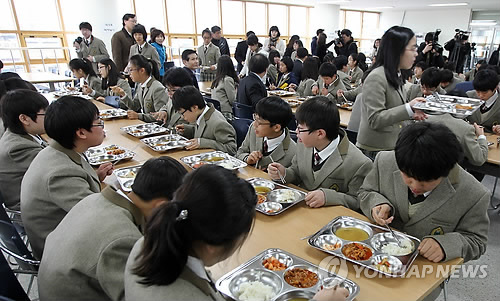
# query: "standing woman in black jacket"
x,y
322,47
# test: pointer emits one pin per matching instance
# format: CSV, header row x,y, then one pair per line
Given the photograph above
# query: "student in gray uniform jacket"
x,y
486,88
111,78
91,47
85,255
150,96
326,163
309,76
208,55
211,215
268,138
82,68
448,80
421,190
342,70
429,83
142,47
60,176
208,128
175,78
224,86
354,61
23,115
328,82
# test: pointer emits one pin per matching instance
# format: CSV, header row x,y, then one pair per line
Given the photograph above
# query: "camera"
x,y
79,40
339,40
461,35
435,45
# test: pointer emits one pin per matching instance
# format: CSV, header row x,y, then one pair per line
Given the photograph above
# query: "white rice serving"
x,y
255,291
395,250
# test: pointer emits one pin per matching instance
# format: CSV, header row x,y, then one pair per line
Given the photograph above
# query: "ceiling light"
x,y
491,23
450,4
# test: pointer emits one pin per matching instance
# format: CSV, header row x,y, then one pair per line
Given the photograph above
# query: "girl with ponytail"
x,y
82,68
150,94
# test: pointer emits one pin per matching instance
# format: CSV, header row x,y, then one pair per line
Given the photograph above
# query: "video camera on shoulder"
x,y
435,45
339,40
461,35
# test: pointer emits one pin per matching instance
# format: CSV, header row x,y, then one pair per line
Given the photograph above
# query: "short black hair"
x,y
310,68
206,30
431,77
139,28
215,29
66,115
429,36
186,53
427,151
329,58
149,65
258,63
327,69
422,65
347,32
485,80
177,77
249,33
288,63
272,54
252,40
126,17
158,178
302,52
186,97
450,66
340,62
84,64
85,25
446,76
274,28
320,113
156,33
319,31
406,74
275,110
17,102
14,83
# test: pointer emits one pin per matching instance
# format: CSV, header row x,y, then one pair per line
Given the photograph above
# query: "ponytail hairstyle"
x,y
213,206
84,64
150,66
113,74
360,60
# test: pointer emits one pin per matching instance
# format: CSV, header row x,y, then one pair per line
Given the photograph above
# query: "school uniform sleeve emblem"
x,y
437,231
335,187
149,106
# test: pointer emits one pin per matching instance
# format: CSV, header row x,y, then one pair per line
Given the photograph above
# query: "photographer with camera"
x,y
459,49
345,44
430,51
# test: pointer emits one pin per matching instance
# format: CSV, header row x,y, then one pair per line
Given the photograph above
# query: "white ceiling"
x,y
408,4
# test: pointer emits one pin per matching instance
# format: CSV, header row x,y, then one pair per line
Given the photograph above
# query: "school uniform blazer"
x,y
16,153
225,93
345,79
251,90
154,99
214,132
383,113
173,117
211,57
96,48
454,214
352,94
332,88
488,119
356,75
282,154
414,92
287,79
188,285
122,84
95,84
272,74
340,176
305,87
120,47
297,69
453,84
148,51
85,256
476,151
57,179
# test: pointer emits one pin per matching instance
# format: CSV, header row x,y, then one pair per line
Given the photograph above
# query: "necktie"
x,y
140,49
265,147
483,108
317,159
206,48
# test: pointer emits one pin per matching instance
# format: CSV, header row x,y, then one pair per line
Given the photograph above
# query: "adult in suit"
x,y
150,96
251,88
486,88
421,190
23,115
191,63
241,52
299,62
208,56
122,41
60,176
208,128
107,224
385,107
91,47
326,163
82,68
219,41
142,47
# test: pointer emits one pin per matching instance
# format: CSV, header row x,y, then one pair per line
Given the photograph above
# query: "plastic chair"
x,y
10,288
216,103
12,216
241,126
464,86
242,111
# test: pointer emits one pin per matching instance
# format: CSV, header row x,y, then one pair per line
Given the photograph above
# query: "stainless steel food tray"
x,y
215,157
275,200
281,93
294,102
112,113
144,129
253,270
126,176
102,154
378,237
346,105
448,104
165,142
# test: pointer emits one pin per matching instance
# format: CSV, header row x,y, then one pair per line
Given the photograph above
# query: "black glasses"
x,y
299,130
100,124
40,114
182,113
258,120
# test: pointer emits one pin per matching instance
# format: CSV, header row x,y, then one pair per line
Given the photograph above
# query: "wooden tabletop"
x,y
205,87
493,150
45,77
285,230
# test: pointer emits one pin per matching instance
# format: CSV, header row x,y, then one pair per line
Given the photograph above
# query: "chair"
x,y
216,103
12,216
464,86
169,65
241,126
242,111
292,126
10,288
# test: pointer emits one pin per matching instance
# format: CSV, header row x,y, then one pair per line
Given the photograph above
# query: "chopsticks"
x,y
279,173
394,235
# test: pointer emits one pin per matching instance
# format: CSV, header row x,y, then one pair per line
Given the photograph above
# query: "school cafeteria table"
x,y
205,87
45,77
285,230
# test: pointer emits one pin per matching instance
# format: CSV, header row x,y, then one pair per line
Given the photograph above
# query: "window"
x,y
353,22
37,15
180,17
151,13
9,40
44,42
278,15
232,17
256,18
364,27
299,24
7,17
207,14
